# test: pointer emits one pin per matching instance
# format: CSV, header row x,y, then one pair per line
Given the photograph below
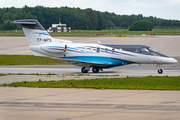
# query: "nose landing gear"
x,y
160,71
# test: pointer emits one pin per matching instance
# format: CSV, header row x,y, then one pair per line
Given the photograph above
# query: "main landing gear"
x,y
83,70
160,71
94,70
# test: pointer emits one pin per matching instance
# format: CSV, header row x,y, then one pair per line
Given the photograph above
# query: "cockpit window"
x,y
144,50
152,49
137,50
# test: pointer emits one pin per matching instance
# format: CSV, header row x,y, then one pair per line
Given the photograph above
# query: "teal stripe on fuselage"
x,y
84,51
111,62
72,48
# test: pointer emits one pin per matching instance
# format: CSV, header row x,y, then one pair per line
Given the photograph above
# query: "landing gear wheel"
x,y
160,71
83,70
95,70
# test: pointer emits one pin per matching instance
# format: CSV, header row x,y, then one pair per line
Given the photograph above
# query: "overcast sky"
x,y
166,9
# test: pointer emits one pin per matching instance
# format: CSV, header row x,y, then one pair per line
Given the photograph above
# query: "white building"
x,y
59,28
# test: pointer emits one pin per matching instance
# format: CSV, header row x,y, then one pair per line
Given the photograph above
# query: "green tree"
x,y
141,25
93,20
100,21
77,18
140,16
124,24
175,23
110,24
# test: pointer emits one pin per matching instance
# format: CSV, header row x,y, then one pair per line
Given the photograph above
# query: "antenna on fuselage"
x,y
99,42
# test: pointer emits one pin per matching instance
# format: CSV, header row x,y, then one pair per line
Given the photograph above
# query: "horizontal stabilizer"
x,y
23,23
29,23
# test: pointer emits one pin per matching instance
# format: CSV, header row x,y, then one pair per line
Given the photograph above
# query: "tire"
x,y
95,70
160,71
83,70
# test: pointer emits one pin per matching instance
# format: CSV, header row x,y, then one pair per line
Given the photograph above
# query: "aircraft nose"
x,y
172,60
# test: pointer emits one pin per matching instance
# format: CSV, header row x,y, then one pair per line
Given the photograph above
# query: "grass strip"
x,y
94,33
1,74
28,60
139,83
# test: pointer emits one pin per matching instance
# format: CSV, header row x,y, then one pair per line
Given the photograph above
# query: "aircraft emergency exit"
x,y
87,56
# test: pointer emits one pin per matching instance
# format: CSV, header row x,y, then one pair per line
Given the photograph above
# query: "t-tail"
x,y
34,31
40,42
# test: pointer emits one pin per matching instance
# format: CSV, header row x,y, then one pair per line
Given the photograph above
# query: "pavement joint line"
x,y
100,106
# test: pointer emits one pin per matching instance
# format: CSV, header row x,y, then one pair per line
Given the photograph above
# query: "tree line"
x,y
76,18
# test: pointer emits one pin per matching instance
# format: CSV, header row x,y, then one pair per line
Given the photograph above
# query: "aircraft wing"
x,y
85,64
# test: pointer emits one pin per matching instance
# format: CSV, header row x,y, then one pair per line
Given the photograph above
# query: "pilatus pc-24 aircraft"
x,y
87,56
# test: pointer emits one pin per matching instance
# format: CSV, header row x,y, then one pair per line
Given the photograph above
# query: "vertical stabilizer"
x,y
34,31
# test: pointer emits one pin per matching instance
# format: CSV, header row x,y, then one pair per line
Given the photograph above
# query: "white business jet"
x,y
95,56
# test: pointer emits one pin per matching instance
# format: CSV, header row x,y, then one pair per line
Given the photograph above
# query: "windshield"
x,y
152,49
144,50
156,53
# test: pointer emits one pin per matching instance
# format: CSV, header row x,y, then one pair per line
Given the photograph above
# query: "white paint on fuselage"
x,y
91,50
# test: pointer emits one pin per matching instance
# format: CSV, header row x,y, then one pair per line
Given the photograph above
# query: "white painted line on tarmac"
x,y
167,36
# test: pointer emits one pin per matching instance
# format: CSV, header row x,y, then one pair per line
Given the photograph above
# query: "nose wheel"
x,y
160,71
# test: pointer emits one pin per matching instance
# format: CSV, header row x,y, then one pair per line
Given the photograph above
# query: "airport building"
x,y
59,28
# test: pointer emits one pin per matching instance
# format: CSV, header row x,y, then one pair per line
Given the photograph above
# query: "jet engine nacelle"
x,y
54,48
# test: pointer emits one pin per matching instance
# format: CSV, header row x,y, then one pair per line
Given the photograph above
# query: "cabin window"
x,y
88,50
102,50
113,50
120,51
98,49
81,49
106,49
94,50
